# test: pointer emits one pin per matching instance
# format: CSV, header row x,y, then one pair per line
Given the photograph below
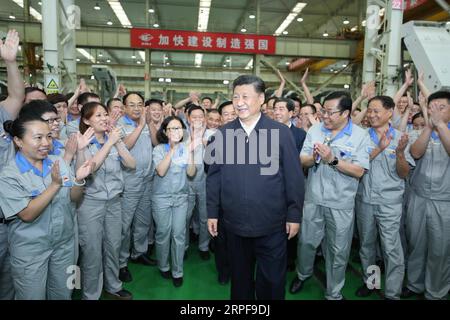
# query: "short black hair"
x,y
289,103
84,97
257,82
296,98
417,115
207,98
32,89
223,105
36,108
439,95
125,97
213,111
313,107
55,98
161,134
387,102
110,101
152,101
193,107
345,101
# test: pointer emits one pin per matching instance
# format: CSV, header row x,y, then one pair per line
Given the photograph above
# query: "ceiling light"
x,y
290,17
345,21
224,65
381,12
100,54
97,7
288,63
78,59
252,16
363,23
331,69
325,34
138,62
228,60
285,32
344,65
249,64
155,25
108,60
92,77
346,86
36,56
11,16
335,71
40,3
198,66
243,29
226,81
198,59
354,29
109,23
161,80
86,54
167,63
151,10
300,19
120,13
203,14
133,57
33,11
142,54
168,80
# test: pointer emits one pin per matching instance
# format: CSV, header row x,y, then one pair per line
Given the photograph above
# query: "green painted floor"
x,y
200,282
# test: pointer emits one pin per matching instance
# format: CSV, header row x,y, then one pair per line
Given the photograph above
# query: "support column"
x,y
372,24
391,63
50,31
147,71
257,57
69,80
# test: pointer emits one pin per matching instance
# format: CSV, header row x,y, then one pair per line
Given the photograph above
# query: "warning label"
x,y
52,86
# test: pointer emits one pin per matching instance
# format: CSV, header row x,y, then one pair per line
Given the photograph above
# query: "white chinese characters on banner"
x,y
178,41
235,43
163,40
192,41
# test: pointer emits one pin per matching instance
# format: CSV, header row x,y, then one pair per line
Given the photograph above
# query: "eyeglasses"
x,y
174,129
329,114
52,120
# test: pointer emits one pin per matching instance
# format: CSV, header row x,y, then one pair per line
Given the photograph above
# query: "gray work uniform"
x,y
379,202
170,204
197,202
136,199
428,222
329,202
42,250
72,127
6,156
100,226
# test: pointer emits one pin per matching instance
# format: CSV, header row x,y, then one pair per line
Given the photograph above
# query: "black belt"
x,y
3,221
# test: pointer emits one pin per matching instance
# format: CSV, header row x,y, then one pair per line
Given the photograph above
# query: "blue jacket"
x,y
254,204
299,137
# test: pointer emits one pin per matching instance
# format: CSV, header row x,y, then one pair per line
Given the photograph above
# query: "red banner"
x,y
202,41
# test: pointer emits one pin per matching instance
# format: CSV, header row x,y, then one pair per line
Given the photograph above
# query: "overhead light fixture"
x,y
109,23
167,63
120,13
344,66
108,60
354,29
33,11
285,32
335,71
138,62
133,56
203,15
346,21
86,54
252,16
325,34
40,3
291,16
363,23
287,63
155,25
165,57
331,69
197,66
100,54
168,80
97,7
381,12
243,29
161,80
346,86
36,56
224,65
198,59
12,17
300,19
226,81
151,10
249,64
142,54
92,77
78,59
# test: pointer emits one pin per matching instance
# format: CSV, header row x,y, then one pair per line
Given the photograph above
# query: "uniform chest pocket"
x,y
391,153
344,152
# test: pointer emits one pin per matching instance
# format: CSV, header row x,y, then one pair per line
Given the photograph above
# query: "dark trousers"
x,y
221,252
292,251
268,253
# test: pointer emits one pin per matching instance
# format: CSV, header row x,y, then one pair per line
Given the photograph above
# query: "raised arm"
x,y
279,91
16,90
308,95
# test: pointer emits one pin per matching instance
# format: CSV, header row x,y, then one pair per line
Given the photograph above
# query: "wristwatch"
x,y
334,163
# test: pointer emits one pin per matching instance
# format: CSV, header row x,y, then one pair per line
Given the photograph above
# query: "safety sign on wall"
x,y
52,84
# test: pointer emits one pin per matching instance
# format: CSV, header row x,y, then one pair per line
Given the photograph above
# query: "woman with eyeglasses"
x,y
100,212
36,190
173,162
